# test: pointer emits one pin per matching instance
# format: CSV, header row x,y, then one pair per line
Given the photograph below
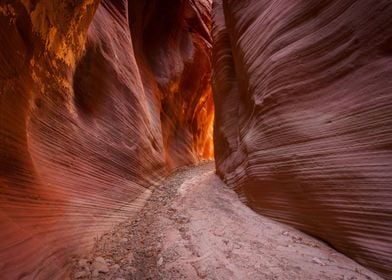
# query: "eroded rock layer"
x,y
173,49
304,117
85,128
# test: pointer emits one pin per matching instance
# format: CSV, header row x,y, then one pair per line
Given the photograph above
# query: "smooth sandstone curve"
x,y
304,116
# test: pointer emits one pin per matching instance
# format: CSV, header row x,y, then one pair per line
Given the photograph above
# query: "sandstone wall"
x,y
303,94
86,129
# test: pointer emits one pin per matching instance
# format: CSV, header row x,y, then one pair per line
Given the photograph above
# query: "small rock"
x,y
100,259
83,263
182,220
100,265
130,257
115,267
182,229
285,233
201,272
124,240
119,279
149,253
95,273
160,261
80,274
318,261
131,269
345,277
219,232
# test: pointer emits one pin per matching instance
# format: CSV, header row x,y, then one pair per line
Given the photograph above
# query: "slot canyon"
x,y
195,139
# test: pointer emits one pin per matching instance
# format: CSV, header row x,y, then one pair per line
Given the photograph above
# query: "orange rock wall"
x,y
303,126
86,130
173,48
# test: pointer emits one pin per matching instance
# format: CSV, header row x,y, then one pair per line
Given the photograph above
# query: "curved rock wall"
x,y
173,49
304,117
85,128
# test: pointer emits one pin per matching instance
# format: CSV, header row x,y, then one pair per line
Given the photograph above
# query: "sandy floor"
x,y
194,227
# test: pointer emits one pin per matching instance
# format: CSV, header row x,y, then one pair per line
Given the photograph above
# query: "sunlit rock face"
x,y
86,128
173,48
304,117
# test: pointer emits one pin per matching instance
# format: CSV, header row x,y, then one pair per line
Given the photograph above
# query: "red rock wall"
x,y
304,117
173,49
85,128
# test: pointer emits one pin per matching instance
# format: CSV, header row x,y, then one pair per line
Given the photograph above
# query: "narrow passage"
x,y
194,227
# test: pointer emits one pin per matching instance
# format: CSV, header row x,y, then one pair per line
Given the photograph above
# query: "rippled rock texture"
x,y
304,117
85,128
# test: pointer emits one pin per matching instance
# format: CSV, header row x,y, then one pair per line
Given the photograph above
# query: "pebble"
x,y
130,257
83,263
100,259
345,277
219,232
115,267
95,273
160,261
182,229
100,265
80,274
318,261
149,253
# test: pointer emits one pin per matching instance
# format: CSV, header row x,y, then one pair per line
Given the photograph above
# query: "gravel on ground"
x,y
194,227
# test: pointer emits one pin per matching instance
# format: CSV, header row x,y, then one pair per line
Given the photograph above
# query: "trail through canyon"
x,y
194,227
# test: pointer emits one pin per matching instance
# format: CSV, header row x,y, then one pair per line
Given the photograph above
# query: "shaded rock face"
x,y
85,128
304,116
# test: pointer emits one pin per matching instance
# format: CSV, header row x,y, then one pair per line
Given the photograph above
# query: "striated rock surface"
x,y
304,117
85,128
173,48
